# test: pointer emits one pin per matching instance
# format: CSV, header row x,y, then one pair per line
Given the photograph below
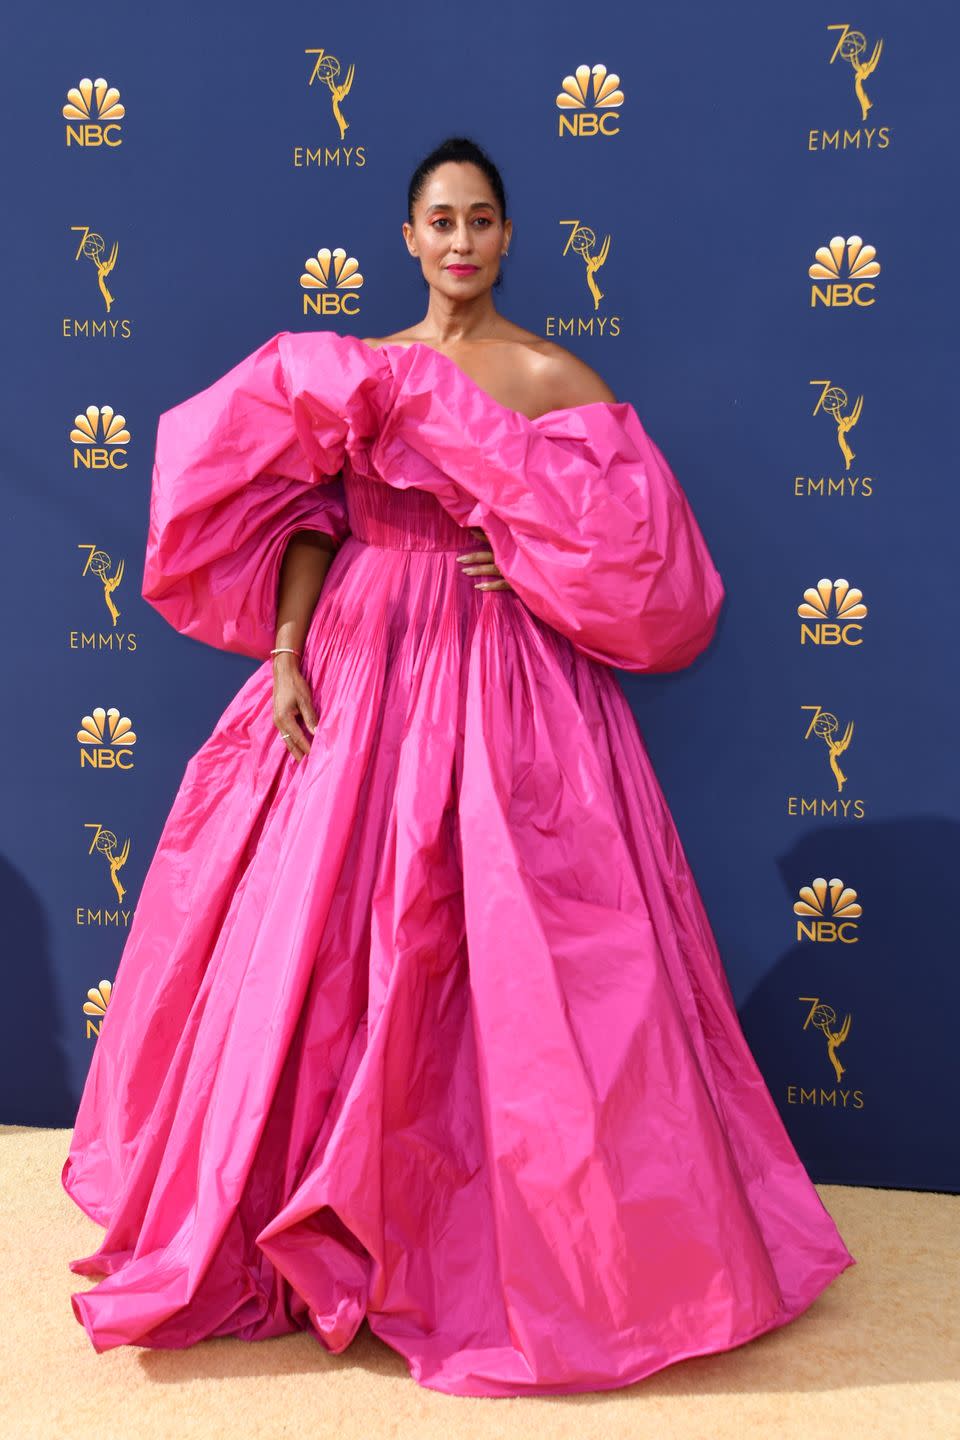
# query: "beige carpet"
x,y
877,1355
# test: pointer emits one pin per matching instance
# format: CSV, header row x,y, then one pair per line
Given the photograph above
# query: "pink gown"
x,y
430,1028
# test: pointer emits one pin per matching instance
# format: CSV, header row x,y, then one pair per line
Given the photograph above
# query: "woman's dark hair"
x,y
462,150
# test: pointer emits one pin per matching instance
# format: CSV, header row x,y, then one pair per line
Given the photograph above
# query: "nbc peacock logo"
x,y
95,1007
100,438
589,103
93,113
827,911
836,608
847,267
330,282
106,740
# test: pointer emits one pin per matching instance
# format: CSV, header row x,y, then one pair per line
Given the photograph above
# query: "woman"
x,y
420,1018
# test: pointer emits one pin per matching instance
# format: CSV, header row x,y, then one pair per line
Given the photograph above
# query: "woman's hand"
x,y
479,567
292,704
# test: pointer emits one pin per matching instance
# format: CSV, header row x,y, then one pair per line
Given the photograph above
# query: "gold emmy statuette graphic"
x,y
847,266
581,241
96,108
100,436
93,246
833,401
327,272
852,46
96,1005
105,843
827,726
836,597
327,70
98,563
823,1017
588,102
827,912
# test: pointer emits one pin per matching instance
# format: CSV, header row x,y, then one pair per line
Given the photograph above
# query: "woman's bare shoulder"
x,y
568,380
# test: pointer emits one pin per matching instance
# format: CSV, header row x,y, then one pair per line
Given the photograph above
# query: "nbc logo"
x,y
330,281
99,438
836,598
847,266
95,1007
589,102
106,740
827,911
94,111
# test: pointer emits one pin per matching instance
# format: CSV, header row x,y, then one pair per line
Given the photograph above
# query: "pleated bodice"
x,y
400,519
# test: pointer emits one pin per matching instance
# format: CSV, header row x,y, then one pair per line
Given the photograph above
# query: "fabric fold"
x,y
232,483
584,515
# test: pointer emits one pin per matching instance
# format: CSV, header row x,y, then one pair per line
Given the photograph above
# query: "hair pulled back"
x,y
461,149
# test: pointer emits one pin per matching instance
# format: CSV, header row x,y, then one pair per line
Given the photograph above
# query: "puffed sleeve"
x,y
584,516
239,469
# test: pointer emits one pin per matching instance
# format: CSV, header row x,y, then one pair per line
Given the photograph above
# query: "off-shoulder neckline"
x,y
608,405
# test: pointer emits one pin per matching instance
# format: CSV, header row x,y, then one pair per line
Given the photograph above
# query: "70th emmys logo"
x,y
852,47
827,911
326,71
95,107
330,281
104,842
833,401
93,246
98,564
106,740
837,598
824,1018
826,727
581,241
849,258
589,102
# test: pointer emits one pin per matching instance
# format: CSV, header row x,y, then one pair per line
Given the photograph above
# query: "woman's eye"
x,y
481,219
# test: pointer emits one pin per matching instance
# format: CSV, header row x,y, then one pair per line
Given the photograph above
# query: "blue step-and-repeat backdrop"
x,y
741,216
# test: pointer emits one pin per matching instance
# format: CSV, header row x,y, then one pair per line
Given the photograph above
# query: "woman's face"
x,y
457,231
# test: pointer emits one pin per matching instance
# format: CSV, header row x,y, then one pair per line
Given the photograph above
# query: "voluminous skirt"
x,y
430,1028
